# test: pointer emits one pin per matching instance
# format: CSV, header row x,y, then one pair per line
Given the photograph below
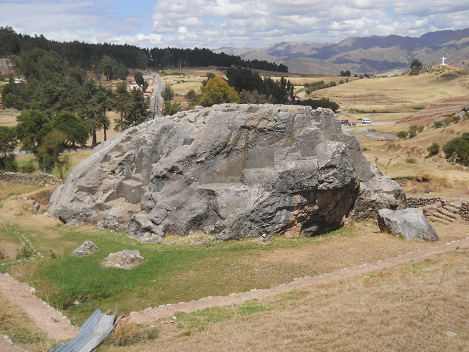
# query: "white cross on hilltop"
x,y
443,61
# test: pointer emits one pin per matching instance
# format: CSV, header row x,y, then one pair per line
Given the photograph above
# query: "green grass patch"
x,y
201,320
170,274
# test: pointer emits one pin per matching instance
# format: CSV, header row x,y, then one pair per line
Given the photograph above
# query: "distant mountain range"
x,y
375,54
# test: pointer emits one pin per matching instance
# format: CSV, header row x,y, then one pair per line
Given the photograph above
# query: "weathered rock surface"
x,y
126,259
84,249
409,223
230,170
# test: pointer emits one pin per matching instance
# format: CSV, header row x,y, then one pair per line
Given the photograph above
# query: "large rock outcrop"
x,y
231,170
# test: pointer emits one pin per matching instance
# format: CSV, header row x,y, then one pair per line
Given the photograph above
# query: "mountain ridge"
x,y
373,54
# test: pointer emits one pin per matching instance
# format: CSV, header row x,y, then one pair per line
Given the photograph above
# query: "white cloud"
x,y
238,23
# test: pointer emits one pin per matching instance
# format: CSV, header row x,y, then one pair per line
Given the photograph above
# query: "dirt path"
x,y
46,318
151,314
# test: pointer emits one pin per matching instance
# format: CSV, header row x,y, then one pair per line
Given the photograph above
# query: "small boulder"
x,y
264,238
126,259
409,223
86,248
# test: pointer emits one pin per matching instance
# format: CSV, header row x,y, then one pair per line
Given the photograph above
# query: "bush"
x,y
29,168
434,149
2,254
438,124
26,251
402,134
410,161
457,149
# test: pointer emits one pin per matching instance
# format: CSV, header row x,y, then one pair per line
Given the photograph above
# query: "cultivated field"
x,y
420,306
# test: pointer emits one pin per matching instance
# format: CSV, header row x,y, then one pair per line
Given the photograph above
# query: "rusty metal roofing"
x,y
90,335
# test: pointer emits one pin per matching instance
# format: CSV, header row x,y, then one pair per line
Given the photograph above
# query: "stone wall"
x,y
40,179
417,202
464,211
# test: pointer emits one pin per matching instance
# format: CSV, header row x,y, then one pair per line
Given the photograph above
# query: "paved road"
x,y
157,99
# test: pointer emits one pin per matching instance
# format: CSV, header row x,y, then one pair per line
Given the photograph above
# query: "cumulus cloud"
x,y
237,23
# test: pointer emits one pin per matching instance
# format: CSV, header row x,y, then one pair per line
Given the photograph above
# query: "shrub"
x,y
438,124
402,134
26,251
410,161
2,254
29,168
413,131
458,149
420,128
434,149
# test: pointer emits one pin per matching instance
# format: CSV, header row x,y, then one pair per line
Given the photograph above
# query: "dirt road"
x,y
46,318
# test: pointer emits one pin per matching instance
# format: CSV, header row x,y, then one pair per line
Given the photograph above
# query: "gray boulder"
x,y
126,259
86,248
230,170
409,223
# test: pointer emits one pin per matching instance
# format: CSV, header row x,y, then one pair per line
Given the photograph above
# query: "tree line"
x,y
90,56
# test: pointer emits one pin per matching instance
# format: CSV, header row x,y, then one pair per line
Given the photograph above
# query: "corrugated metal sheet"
x,y
90,335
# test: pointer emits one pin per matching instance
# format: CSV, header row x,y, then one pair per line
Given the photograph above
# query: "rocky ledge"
x,y
230,170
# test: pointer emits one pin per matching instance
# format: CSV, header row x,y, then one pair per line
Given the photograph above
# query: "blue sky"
x,y
221,23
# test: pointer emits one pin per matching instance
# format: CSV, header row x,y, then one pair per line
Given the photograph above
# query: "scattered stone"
x,y
86,248
32,290
72,223
287,341
264,239
409,223
450,334
126,259
232,170
202,240
36,207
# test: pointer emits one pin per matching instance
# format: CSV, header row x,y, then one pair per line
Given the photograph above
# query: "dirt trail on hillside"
x,y
151,314
46,318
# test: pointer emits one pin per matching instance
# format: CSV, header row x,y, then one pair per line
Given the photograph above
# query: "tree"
x,y
345,73
133,109
416,66
217,91
192,97
402,134
434,149
8,143
171,108
49,152
167,93
138,76
75,129
31,129
458,149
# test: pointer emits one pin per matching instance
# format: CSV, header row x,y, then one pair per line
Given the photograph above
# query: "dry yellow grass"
x,y
8,117
403,308
404,94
